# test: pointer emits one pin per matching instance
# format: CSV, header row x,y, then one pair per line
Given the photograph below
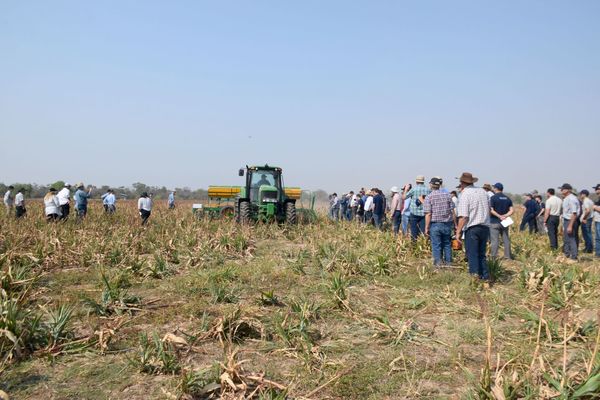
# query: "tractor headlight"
x,y
269,200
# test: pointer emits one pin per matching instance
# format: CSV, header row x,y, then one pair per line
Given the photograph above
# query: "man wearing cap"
x,y
64,200
9,201
417,216
396,209
474,214
501,207
439,221
81,200
488,189
552,215
587,215
570,214
597,219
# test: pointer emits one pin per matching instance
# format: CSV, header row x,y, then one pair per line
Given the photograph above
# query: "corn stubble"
x,y
207,309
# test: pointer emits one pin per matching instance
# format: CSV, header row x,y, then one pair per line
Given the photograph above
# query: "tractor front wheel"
x,y
290,214
244,212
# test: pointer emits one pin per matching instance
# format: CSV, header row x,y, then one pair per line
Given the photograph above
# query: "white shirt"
x,y
587,206
353,200
554,204
369,203
145,203
570,206
51,205
63,196
8,199
19,200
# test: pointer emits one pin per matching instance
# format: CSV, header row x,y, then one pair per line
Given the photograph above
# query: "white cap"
x,y
394,189
67,184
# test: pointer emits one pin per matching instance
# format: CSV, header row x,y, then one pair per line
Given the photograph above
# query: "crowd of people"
x,y
57,204
474,216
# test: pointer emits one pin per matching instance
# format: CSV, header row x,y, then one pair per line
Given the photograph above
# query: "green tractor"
x,y
264,197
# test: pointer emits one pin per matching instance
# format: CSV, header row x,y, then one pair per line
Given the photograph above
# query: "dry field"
x,y
195,309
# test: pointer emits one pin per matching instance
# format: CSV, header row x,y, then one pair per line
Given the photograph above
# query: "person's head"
x,y
20,190
52,190
144,194
394,189
487,187
435,183
467,179
351,193
584,193
538,198
11,187
67,185
334,194
408,186
597,189
453,193
263,176
528,196
550,192
566,189
80,185
498,187
420,179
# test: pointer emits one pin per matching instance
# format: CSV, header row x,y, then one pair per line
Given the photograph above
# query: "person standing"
x,y
529,216
417,215
334,207
597,219
64,200
51,205
552,215
145,207
171,201
396,209
9,201
353,206
439,221
587,217
109,201
474,214
369,207
501,207
378,209
81,200
570,216
20,209
488,189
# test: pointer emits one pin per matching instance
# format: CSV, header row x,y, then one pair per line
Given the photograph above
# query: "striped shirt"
x,y
415,194
439,205
474,204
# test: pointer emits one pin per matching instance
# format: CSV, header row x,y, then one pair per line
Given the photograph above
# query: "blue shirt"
x,y
501,203
531,207
414,193
171,198
81,198
378,205
109,199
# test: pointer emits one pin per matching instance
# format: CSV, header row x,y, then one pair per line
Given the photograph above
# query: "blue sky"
x,y
341,94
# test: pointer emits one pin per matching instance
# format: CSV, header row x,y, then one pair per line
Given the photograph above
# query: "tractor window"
x,y
260,178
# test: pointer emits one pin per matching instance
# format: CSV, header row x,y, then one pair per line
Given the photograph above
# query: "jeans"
x,y
335,213
20,211
145,214
441,234
552,225
570,241
529,220
368,217
405,223
597,239
417,226
497,230
586,232
378,220
476,238
396,221
81,211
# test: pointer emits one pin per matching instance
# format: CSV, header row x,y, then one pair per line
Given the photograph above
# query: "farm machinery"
x,y
263,198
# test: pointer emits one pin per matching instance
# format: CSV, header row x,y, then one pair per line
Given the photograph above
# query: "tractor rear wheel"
x,y
290,213
244,212
227,211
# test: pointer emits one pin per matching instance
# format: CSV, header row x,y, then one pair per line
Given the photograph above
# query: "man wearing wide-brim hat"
x,y
474,219
417,215
571,209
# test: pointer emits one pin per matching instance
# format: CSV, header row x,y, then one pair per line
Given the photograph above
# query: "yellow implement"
x,y
293,192
223,192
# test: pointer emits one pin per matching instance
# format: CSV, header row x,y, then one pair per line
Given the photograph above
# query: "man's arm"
x,y
461,224
427,223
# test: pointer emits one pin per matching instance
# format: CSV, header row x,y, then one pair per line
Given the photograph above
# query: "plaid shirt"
x,y
415,193
474,204
439,205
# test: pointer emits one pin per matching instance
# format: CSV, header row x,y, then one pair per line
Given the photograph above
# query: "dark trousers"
x,y
20,211
417,226
64,211
476,238
529,220
552,225
145,214
396,221
586,232
571,242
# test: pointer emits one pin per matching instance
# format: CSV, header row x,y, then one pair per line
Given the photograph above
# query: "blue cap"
x,y
499,186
